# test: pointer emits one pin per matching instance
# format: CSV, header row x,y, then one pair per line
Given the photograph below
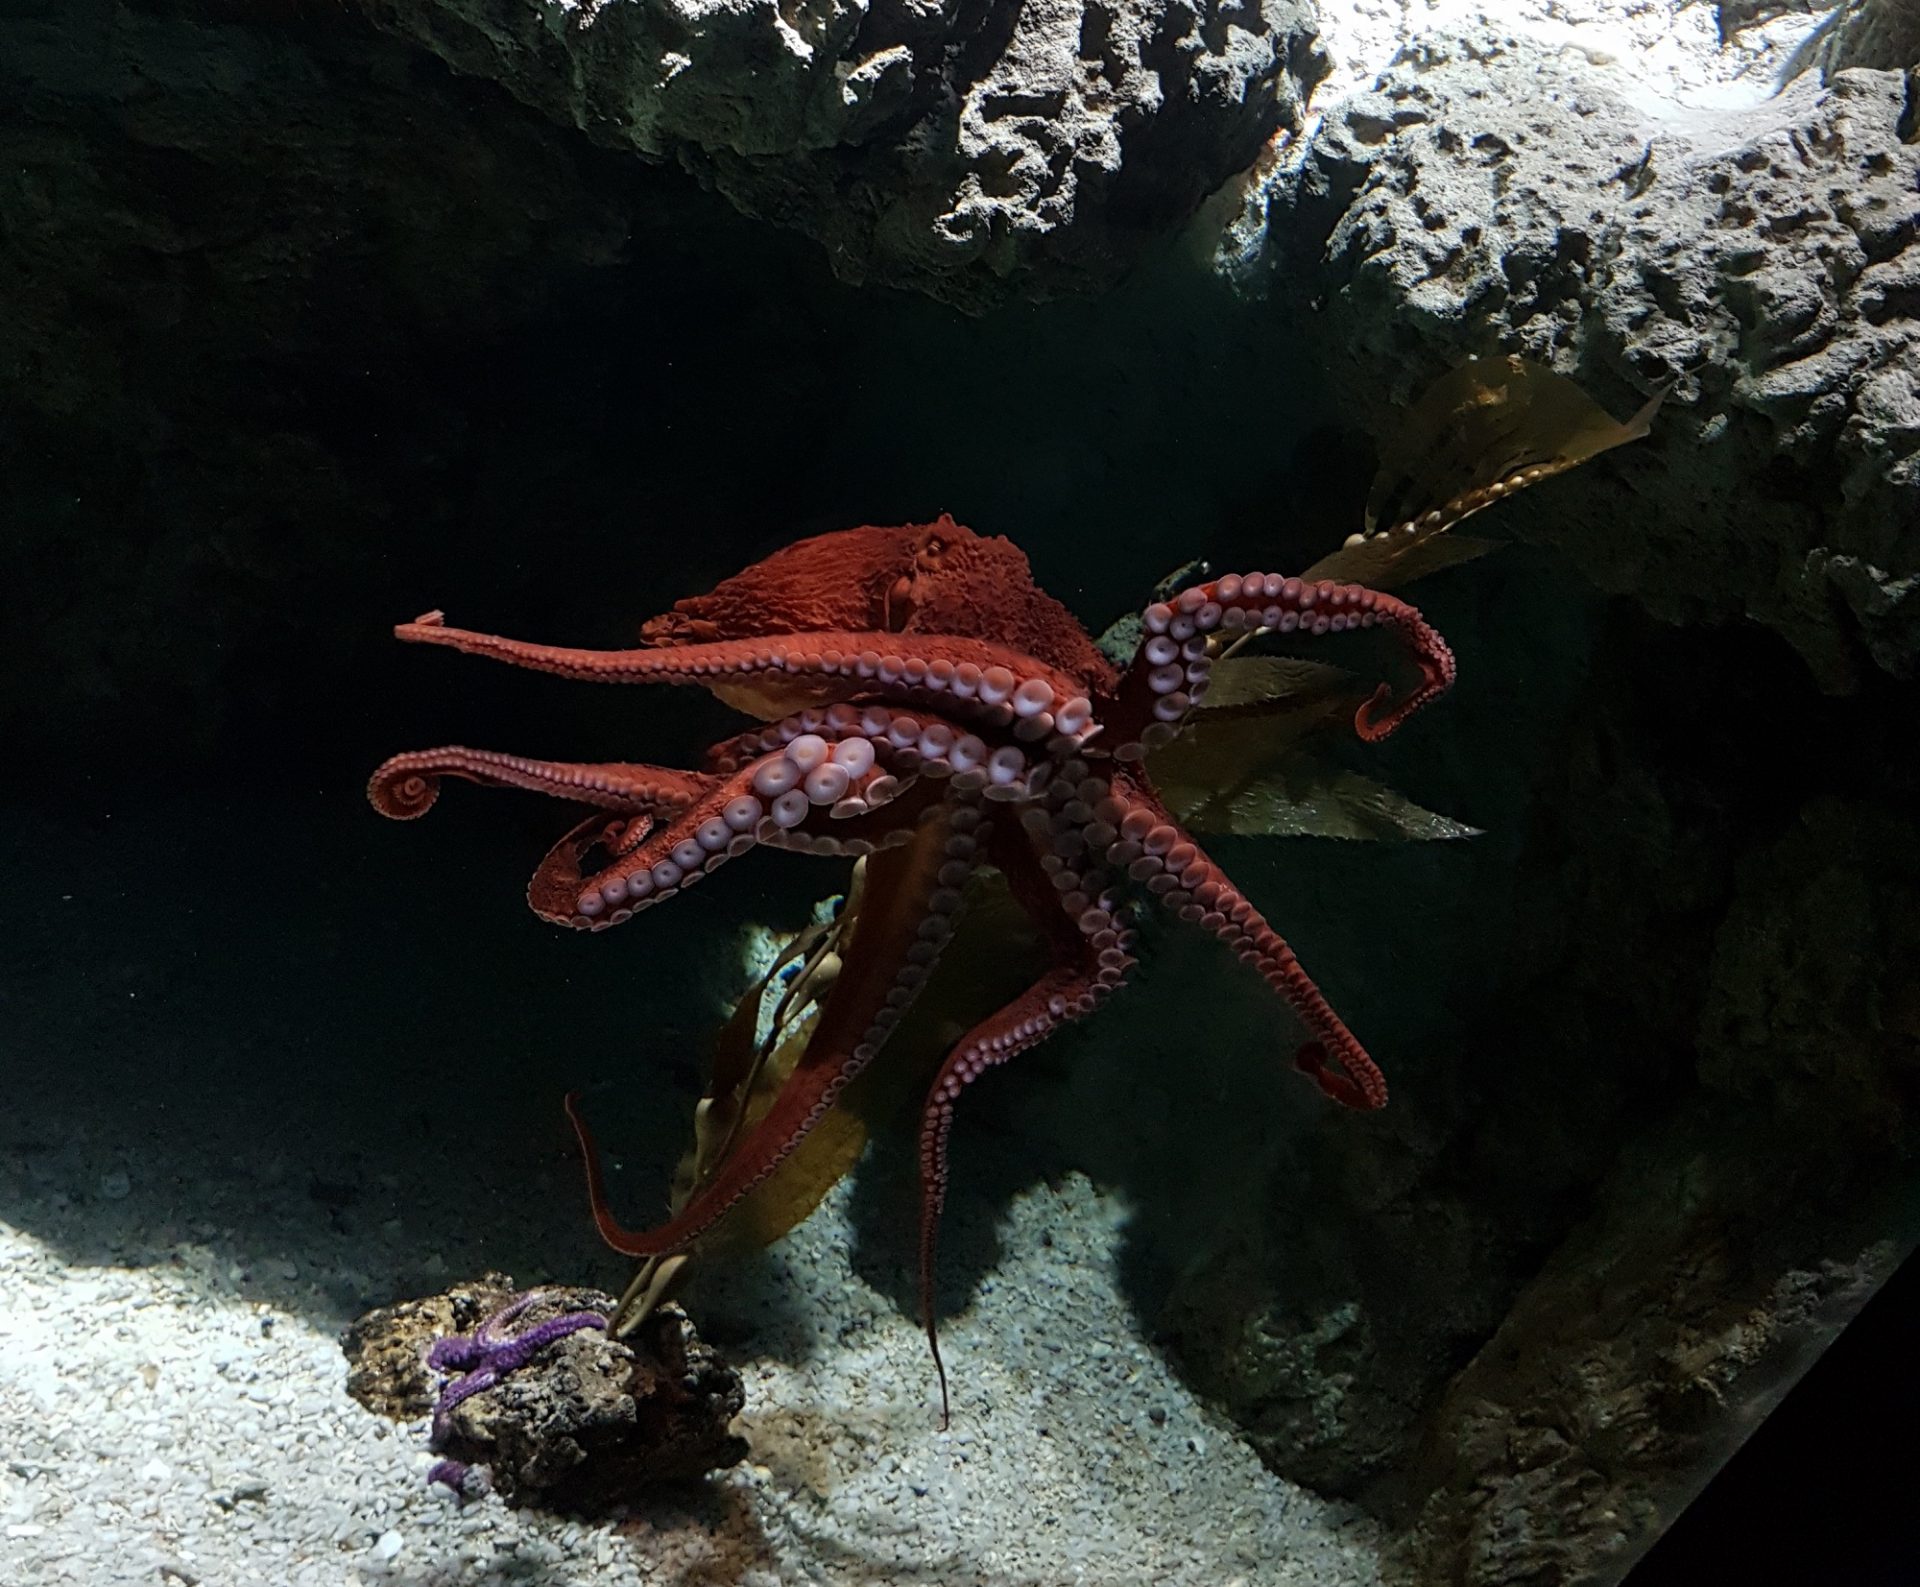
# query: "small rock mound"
x,y
585,1425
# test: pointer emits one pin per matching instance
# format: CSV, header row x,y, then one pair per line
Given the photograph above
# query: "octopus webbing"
x,y
926,703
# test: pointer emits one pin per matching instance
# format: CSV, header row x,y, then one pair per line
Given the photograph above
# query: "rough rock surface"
x,y
1649,1346
1762,263
589,1424
1872,33
1730,1241
1635,1180
974,150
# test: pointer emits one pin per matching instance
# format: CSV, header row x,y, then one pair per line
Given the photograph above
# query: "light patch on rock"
x,y
1662,56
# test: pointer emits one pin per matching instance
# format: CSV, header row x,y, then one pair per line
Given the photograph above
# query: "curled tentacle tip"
x,y
1366,1092
1378,717
403,797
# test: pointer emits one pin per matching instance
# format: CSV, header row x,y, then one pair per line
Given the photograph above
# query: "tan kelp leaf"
x,y
996,949
1380,562
741,1055
1485,423
1241,767
1224,745
1257,680
746,1072
770,1031
1302,797
1478,434
788,1196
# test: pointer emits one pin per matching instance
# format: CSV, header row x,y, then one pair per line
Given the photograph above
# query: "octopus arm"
x,y
1168,861
1170,671
912,893
834,792
973,677
406,786
1070,990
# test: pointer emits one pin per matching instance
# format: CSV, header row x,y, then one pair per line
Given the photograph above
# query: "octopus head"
x,y
854,580
932,578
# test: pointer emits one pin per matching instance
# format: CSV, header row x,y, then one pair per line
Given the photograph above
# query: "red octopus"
x,y
928,704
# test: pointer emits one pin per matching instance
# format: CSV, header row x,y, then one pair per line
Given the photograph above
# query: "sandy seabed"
x,y
231,1129
173,1414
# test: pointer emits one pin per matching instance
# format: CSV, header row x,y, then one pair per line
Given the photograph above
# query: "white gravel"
x,y
172,1414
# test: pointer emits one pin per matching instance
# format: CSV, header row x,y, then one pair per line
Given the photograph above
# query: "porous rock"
x,y
1603,1228
1728,1245
1762,264
587,1424
1633,1366
1873,33
973,150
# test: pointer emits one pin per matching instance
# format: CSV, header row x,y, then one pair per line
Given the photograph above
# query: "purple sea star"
x,y
486,1355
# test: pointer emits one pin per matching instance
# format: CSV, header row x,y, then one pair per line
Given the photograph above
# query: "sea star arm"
x,y
1170,670
912,894
487,1355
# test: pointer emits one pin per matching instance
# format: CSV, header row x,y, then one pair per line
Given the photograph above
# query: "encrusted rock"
x,y
1655,1339
976,151
1810,1003
1878,33
386,1350
1763,263
585,1425
1599,1233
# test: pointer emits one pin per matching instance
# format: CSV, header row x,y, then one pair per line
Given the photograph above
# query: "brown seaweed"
x,y
1481,433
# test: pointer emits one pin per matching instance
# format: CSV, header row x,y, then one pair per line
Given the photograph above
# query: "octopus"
x,y
922,702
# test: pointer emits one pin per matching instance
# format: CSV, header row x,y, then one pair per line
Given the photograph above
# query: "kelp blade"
x,y
1241,767
1486,422
1224,744
1490,428
990,961
1304,797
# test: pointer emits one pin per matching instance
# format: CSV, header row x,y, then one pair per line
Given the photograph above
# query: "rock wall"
x,y
1883,34
1760,264
1675,1147
225,248
977,149
1651,1139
